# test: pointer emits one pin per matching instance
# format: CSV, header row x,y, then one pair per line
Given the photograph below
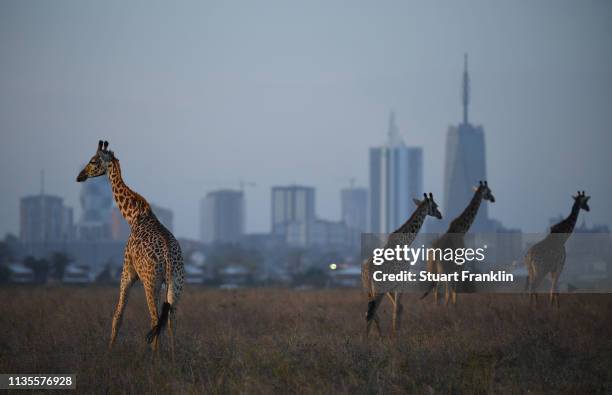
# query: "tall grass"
x,y
275,340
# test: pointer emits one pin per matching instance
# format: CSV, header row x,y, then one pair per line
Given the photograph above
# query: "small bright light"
x,y
333,266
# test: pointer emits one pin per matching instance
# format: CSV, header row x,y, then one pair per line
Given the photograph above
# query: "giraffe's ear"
x,y
416,201
587,199
474,189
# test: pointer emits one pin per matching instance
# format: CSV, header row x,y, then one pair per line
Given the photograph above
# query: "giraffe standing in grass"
x,y
404,235
152,254
548,256
454,238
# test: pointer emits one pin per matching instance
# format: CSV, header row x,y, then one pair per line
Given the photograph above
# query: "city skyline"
x,y
188,104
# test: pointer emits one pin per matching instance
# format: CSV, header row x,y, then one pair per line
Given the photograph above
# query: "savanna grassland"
x,y
284,341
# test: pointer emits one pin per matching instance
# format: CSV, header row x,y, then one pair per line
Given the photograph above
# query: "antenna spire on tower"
x,y
466,89
42,181
393,132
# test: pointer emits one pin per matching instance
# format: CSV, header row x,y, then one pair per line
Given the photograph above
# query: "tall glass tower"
x,y
465,163
396,177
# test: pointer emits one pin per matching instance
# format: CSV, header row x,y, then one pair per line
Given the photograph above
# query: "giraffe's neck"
x,y
462,223
130,203
412,226
568,224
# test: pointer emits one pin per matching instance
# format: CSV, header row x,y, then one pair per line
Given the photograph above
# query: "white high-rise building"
x,y
396,177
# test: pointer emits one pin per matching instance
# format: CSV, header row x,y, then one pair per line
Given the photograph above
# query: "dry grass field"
x,y
283,341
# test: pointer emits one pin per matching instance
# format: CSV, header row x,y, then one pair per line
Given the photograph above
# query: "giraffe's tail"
x,y
167,306
431,286
161,323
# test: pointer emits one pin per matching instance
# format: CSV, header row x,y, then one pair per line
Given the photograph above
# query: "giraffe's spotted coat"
x,y
152,254
404,235
454,238
548,256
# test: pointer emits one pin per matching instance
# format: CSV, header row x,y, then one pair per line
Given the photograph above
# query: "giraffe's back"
x,y
453,241
151,246
546,256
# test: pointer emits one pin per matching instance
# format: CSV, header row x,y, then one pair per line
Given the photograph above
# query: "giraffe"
x,y
405,235
454,239
548,256
152,254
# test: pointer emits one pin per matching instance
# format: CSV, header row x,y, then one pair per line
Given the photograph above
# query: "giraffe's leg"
x,y
536,283
171,326
554,295
177,289
128,277
397,312
371,315
393,299
446,293
454,293
535,280
151,288
377,324
436,291
529,285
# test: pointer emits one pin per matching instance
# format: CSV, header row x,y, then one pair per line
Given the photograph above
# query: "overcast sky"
x,y
195,96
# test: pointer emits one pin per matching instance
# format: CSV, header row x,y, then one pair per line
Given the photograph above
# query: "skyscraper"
x,y
396,177
465,163
354,202
96,204
293,213
222,217
44,218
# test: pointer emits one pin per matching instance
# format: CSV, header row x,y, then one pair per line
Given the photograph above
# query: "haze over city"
x,y
198,96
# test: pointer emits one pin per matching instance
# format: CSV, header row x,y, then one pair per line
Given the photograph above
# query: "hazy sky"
x,y
199,95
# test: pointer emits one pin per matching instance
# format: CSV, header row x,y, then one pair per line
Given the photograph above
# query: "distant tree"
x,y
39,267
313,276
5,273
59,262
233,254
295,260
14,245
5,252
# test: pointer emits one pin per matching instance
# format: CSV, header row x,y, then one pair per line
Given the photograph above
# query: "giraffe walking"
x,y
405,235
454,238
548,256
152,254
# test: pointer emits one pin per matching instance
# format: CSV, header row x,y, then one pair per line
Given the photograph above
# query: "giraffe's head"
x,y
582,201
432,206
483,188
98,164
